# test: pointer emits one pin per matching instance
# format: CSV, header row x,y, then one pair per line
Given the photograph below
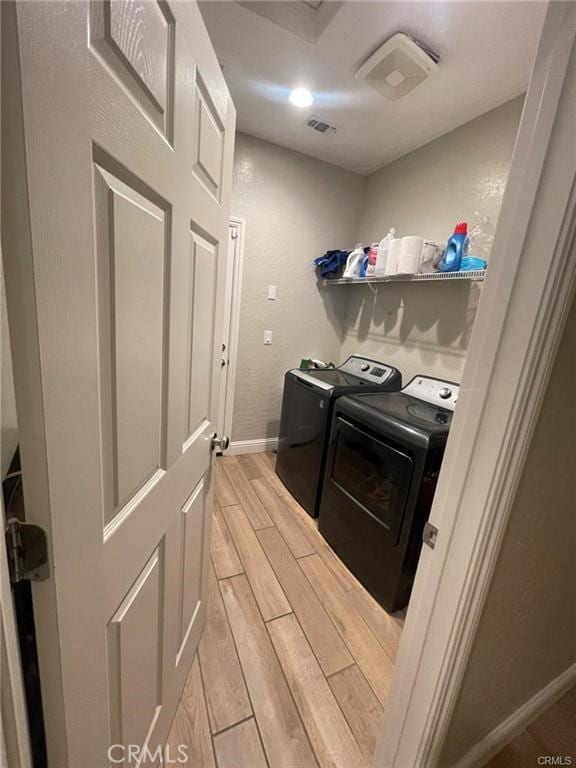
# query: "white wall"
x,y
527,633
426,328
295,209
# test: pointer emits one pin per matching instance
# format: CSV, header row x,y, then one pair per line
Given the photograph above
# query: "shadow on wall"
x,y
432,318
335,303
273,429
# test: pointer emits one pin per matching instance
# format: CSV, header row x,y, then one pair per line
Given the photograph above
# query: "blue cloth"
x,y
469,263
329,265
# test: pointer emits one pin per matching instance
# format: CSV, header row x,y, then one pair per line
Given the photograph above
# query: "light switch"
x,y
272,292
267,337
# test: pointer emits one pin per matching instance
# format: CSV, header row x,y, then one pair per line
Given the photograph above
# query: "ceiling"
x,y
486,51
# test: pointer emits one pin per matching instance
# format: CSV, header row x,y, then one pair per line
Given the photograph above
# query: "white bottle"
x,y
354,262
382,256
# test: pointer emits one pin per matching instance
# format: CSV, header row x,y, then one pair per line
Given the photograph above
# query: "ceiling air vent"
x,y
398,66
320,126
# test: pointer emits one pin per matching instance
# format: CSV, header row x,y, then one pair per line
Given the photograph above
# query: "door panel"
x,y
201,312
132,263
209,143
192,561
115,285
136,40
134,644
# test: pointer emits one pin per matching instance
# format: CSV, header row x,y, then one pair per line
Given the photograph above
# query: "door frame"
x,y
14,734
526,298
233,296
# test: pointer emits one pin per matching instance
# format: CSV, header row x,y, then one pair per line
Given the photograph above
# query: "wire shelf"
x,y
428,277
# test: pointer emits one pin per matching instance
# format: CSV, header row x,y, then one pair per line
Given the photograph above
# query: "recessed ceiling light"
x,y
301,97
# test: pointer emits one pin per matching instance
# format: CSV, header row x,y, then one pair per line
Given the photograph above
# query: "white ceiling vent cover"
x,y
397,67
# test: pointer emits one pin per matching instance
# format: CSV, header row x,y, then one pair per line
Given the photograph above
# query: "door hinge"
x,y
27,551
429,535
233,233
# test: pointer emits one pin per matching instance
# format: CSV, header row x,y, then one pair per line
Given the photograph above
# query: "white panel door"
x,y
117,149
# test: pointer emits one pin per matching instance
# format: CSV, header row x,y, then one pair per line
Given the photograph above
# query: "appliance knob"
x,y
364,367
445,393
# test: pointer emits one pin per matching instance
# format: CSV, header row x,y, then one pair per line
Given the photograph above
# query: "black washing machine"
x,y
307,403
383,460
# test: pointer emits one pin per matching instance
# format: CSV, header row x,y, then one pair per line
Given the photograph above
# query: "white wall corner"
x,y
504,733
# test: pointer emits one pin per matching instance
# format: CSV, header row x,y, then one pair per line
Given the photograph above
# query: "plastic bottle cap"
x,y
461,228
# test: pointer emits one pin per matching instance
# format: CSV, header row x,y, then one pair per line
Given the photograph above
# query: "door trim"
x,y
526,298
233,308
14,734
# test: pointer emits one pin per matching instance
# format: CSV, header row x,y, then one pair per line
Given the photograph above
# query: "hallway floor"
x,y
295,663
552,735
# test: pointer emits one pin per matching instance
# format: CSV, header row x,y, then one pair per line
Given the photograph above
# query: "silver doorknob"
x,y
219,443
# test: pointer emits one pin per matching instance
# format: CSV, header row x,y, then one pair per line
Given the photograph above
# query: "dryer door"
x,y
373,473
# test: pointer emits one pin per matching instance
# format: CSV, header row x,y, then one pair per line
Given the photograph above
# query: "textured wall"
x,y
295,209
426,328
527,633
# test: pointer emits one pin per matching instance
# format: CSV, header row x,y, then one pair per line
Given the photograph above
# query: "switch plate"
x,y
272,292
267,337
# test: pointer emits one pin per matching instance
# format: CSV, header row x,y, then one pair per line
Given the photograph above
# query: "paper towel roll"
x,y
393,256
430,251
410,254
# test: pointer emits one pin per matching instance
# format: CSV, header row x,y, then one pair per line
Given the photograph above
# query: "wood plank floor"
x,y
552,735
294,665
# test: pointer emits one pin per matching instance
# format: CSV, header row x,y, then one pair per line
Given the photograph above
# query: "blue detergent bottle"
x,y
456,249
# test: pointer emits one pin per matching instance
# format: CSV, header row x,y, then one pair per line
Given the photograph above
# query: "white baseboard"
x,y
251,446
518,720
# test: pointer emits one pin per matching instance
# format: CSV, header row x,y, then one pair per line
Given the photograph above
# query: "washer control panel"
x,y
435,391
370,370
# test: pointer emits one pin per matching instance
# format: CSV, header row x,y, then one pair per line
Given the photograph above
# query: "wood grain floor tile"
x,y
283,734
226,694
556,727
223,490
270,458
240,747
267,590
222,548
386,628
360,706
366,650
293,530
247,497
269,473
190,727
322,635
330,734
249,467
309,522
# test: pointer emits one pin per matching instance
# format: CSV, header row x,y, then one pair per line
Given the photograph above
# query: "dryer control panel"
x,y
436,391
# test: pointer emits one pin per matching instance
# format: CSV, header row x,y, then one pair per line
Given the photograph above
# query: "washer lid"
x,y
328,378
